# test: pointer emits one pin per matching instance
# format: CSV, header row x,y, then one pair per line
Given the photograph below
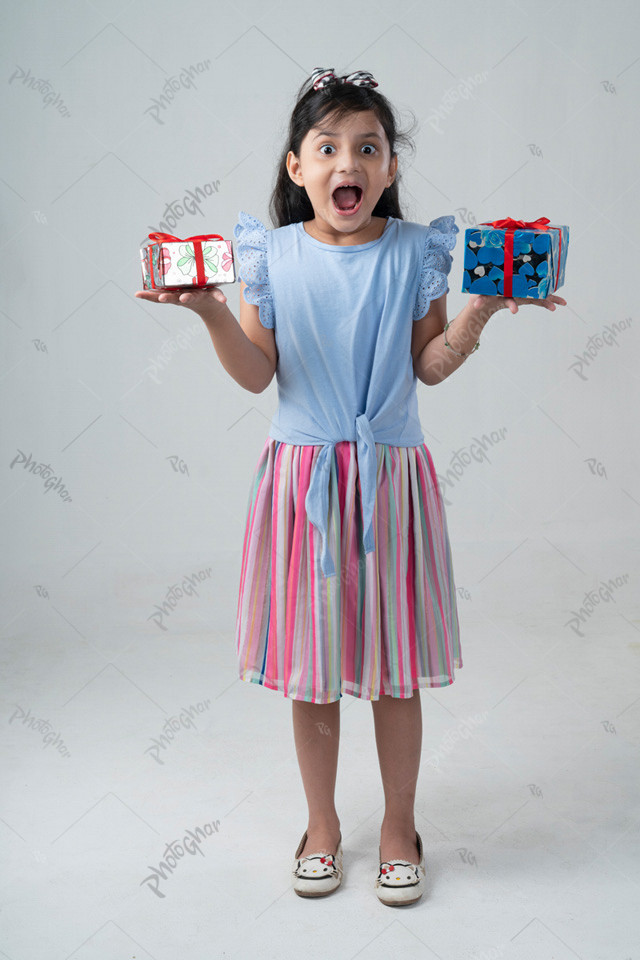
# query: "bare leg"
x,y
316,728
398,726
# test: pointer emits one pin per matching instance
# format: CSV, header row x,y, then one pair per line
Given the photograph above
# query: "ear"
x,y
293,169
393,168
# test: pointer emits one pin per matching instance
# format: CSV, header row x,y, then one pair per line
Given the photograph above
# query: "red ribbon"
x,y
201,279
509,225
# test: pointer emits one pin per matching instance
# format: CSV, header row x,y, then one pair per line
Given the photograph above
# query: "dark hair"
x,y
290,203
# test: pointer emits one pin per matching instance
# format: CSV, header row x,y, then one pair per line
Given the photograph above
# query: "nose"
x,y
348,159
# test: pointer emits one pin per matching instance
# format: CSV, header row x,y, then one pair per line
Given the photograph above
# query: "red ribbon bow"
x,y
201,279
509,225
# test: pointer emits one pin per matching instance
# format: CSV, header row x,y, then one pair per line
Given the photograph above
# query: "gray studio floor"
x,y
528,801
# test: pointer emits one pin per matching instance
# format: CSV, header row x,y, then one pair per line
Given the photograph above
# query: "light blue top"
x,y
342,319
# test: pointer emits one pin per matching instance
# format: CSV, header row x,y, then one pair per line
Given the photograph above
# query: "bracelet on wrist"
x,y
447,344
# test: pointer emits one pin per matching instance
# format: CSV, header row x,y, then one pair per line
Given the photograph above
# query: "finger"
x,y
152,296
536,302
201,293
178,297
551,300
146,295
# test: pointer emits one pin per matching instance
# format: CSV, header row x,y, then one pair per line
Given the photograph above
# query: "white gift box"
x,y
202,261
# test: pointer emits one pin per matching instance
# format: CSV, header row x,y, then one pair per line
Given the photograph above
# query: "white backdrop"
x,y
123,119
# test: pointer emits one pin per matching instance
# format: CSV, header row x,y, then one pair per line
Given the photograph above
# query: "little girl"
x,y
346,584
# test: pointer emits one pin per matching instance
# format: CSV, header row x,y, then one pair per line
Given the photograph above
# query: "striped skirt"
x,y
387,622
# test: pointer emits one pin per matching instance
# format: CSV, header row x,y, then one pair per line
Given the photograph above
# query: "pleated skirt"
x,y
387,622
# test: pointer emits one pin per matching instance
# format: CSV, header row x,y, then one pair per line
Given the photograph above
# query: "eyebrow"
x,y
333,133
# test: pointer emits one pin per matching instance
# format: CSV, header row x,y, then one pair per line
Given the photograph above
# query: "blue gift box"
x,y
527,256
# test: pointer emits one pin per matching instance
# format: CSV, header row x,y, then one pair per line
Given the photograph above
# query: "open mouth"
x,y
347,200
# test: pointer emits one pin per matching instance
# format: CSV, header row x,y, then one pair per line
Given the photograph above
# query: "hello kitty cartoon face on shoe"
x,y
398,874
316,867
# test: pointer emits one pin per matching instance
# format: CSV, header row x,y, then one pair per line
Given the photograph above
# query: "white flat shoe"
x,y
399,881
317,874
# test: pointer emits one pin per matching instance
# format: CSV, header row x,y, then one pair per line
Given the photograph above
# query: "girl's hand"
x,y
198,300
493,304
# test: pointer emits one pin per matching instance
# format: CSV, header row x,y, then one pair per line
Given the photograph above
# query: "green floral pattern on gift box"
x,y
187,261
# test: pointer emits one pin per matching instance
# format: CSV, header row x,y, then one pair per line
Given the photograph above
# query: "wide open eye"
x,y
371,145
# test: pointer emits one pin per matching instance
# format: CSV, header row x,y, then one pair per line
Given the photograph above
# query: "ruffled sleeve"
x,y
251,253
436,263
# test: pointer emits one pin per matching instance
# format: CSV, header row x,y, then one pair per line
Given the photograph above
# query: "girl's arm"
x,y
247,350
433,361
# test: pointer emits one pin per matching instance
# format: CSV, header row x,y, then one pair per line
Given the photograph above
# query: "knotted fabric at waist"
x,y
317,499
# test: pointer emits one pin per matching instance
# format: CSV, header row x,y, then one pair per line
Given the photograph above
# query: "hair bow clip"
x,y
322,77
360,78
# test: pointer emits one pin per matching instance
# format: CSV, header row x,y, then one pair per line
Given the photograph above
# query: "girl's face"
x,y
353,151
